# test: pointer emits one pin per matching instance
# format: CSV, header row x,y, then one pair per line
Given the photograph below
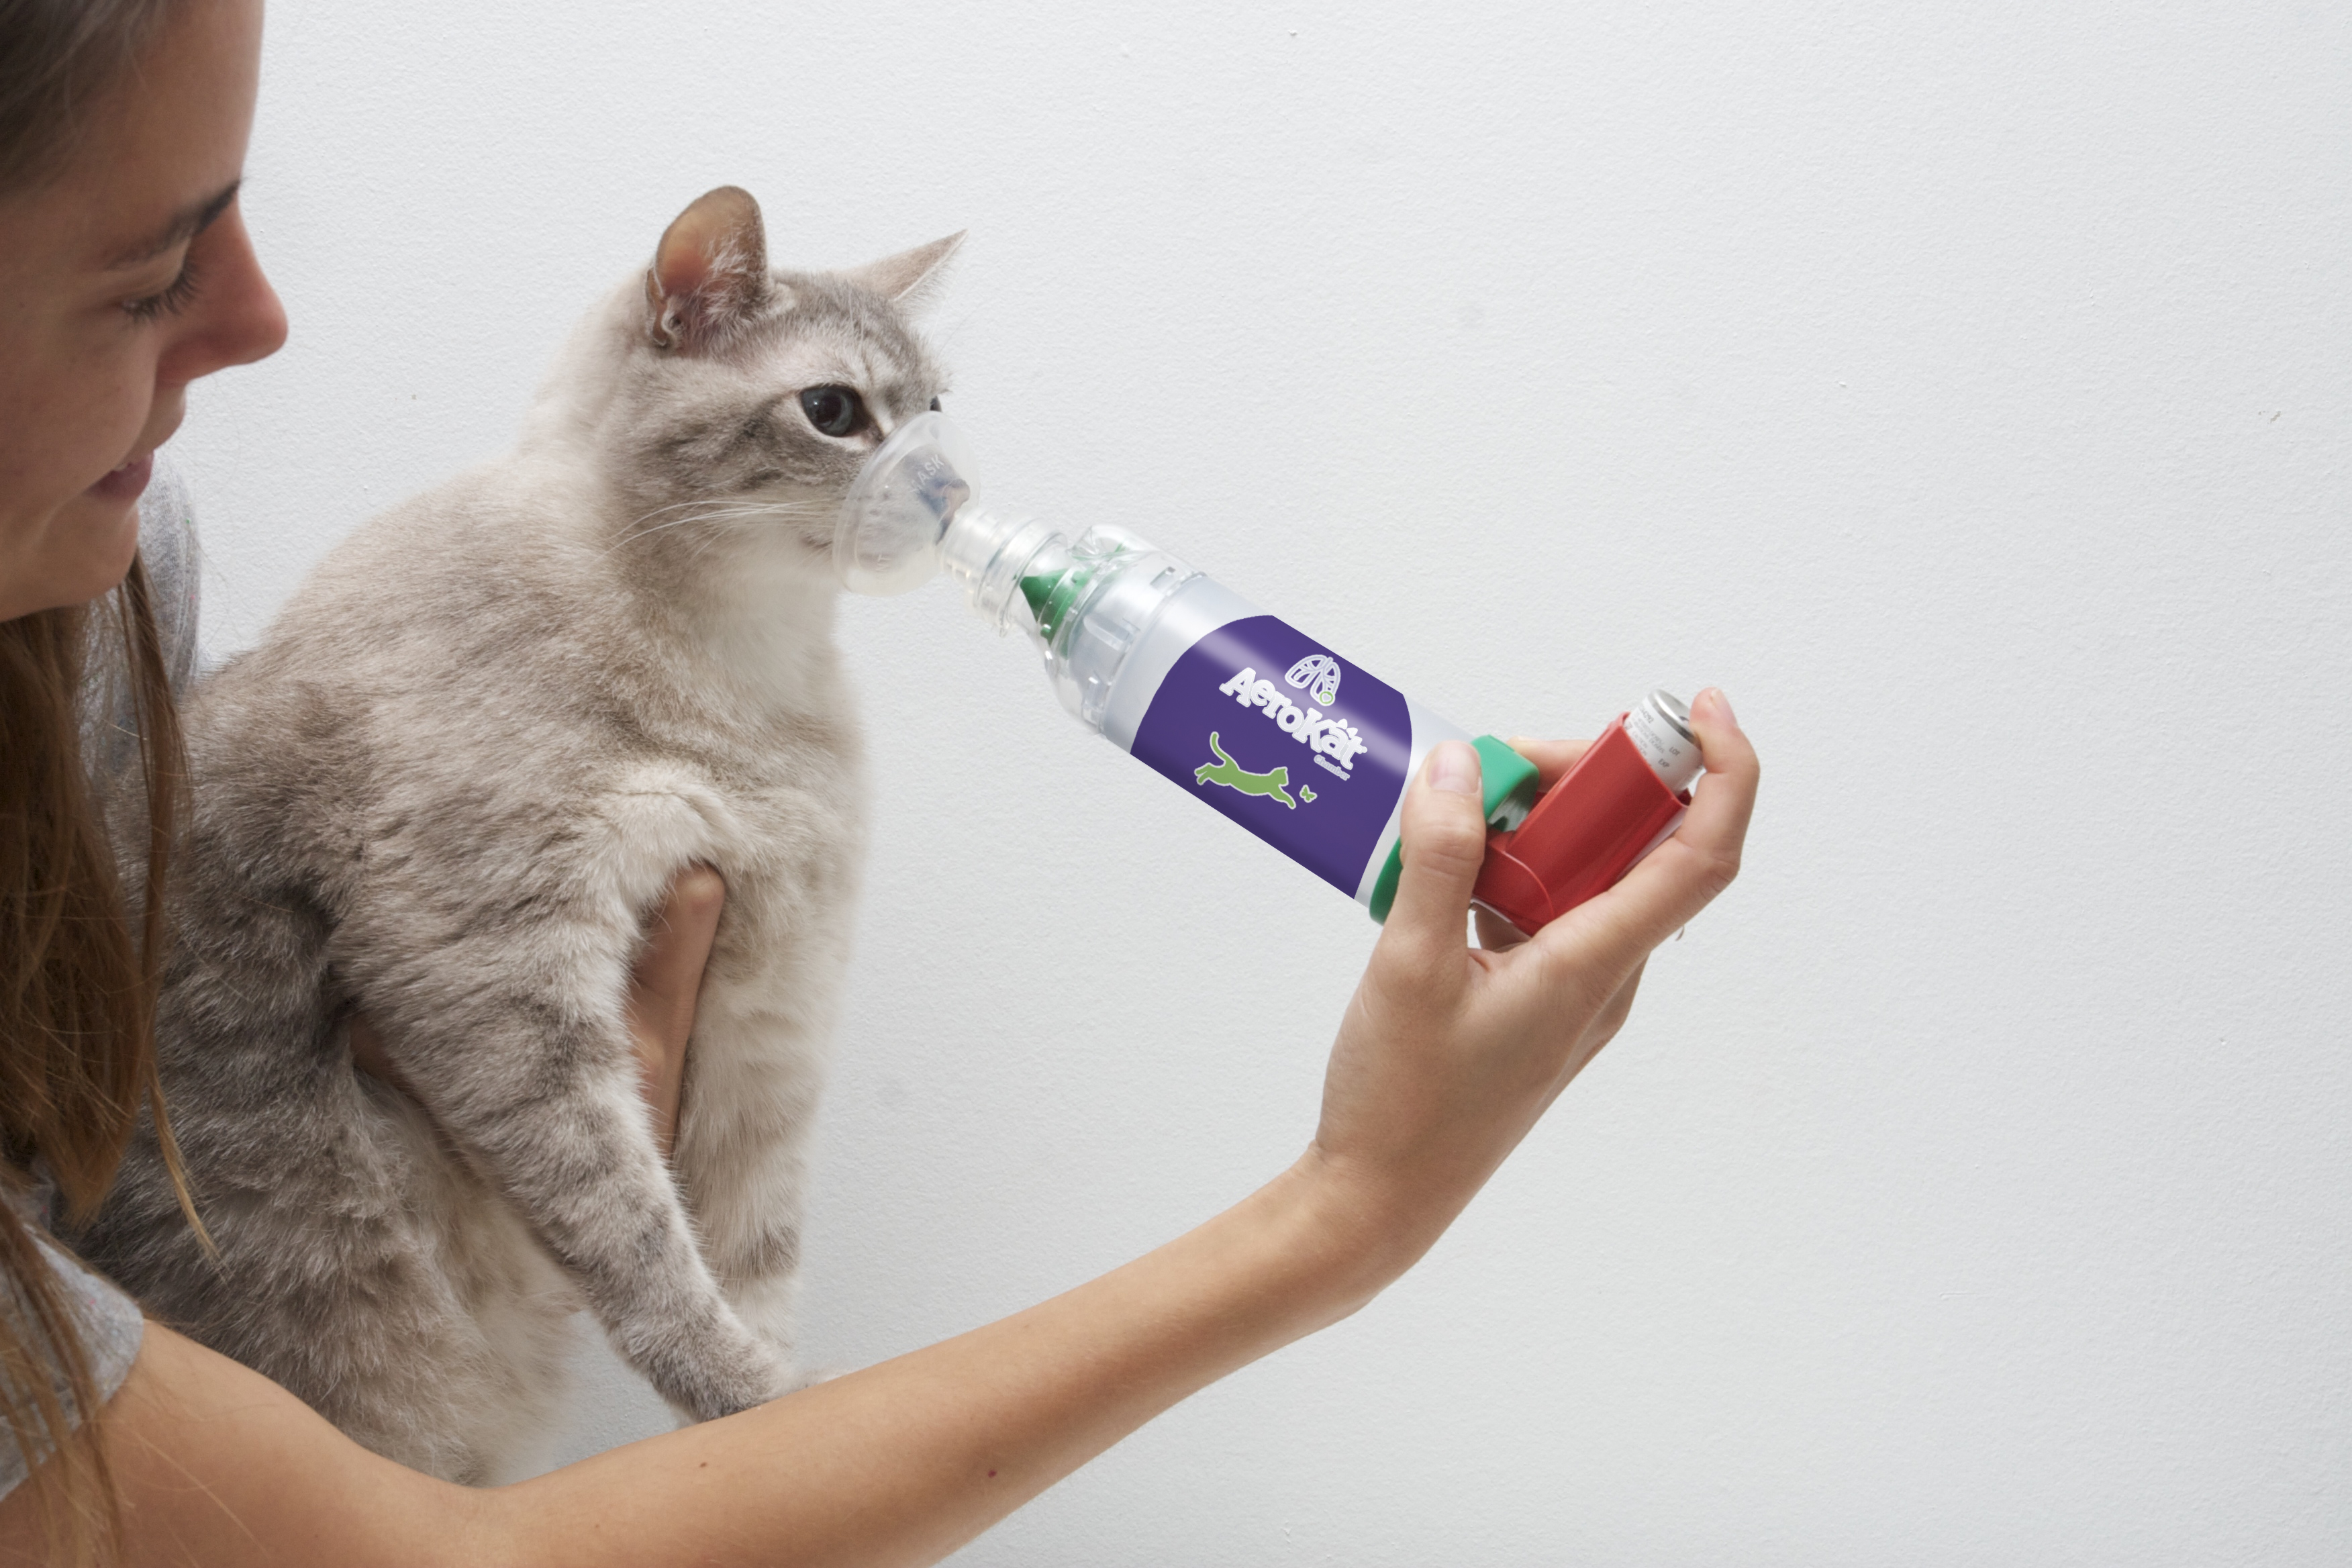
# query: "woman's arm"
x,y
1446,1057
899,1463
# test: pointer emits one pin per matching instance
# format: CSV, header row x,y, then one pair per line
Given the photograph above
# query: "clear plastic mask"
x,y
887,539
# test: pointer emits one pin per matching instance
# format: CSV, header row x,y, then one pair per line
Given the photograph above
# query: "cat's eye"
x,y
834,410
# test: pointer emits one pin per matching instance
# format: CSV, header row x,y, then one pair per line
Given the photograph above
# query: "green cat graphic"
x,y
1233,775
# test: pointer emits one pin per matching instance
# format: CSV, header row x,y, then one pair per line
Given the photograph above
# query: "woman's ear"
x,y
709,273
911,277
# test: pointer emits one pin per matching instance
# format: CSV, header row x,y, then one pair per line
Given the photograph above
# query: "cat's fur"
x,y
446,790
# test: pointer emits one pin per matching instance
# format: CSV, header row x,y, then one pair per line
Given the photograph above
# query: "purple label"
x,y
1268,726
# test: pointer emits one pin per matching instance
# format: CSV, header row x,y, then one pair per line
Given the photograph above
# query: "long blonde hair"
x,y
78,982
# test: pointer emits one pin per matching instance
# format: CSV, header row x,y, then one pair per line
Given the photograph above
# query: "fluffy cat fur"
x,y
446,790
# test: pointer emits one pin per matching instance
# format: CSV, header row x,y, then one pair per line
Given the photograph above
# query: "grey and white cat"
x,y
444,790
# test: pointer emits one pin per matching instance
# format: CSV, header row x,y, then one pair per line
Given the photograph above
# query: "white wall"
x,y
1967,394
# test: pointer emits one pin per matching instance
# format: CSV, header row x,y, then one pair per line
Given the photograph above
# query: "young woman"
x,y
125,274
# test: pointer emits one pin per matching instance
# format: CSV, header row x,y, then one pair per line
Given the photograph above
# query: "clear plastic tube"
x,y
1089,604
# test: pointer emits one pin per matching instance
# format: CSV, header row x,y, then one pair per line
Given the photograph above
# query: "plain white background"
x,y
1967,390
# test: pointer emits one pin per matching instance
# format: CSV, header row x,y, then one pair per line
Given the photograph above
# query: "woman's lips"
x,y
127,483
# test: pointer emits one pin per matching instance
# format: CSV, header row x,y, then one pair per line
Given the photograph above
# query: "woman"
x,y
126,274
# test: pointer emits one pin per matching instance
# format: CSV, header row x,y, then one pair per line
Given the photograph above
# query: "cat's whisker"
x,y
719,513
781,512
691,507
721,509
702,502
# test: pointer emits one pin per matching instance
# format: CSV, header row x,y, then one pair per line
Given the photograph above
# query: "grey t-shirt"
x,y
111,1328
167,544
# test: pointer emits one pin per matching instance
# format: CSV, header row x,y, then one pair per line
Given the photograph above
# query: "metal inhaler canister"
x,y
1620,800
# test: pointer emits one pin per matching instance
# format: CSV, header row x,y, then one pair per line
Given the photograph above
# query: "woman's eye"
x,y
835,410
173,301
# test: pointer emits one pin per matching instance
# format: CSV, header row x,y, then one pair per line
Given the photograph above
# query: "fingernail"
x,y
1454,768
1723,702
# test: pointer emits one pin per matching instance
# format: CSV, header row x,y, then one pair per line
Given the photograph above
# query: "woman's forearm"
x,y
900,1463
903,1462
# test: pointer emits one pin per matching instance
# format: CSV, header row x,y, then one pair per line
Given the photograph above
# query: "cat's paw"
x,y
722,1382
791,1378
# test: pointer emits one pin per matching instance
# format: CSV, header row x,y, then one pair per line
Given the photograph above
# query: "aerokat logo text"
x,y
1335,742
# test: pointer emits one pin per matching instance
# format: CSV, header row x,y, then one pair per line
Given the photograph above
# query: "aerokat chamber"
x,y
1259,720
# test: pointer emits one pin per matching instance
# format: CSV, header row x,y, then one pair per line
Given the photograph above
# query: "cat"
x,y
1233,775
443,792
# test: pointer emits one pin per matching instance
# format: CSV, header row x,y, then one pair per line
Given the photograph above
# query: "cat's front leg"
x,y
511,1031
755,1072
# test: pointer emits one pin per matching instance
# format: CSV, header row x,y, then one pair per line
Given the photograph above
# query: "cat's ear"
x,y
709,272
911,277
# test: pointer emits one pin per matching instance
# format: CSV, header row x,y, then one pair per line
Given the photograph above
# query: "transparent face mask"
x,y
913,512
887,539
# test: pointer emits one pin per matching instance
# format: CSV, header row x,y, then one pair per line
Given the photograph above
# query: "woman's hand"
x,y
662,988
1449,1054
665,984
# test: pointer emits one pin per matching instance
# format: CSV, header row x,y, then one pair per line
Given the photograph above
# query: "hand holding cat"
x,y
1449,1054
663,987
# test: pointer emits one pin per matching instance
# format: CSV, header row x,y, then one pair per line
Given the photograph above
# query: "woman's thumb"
x,y
1444,841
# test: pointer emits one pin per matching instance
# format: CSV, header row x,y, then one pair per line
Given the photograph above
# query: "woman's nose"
x,y
237,318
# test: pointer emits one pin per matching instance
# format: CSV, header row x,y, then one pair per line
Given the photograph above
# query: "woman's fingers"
x,y
1612,1017
1445,842
1677,880
1600,1032
1496,935
665,984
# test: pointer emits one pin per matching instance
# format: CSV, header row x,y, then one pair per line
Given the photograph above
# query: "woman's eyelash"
x,y
172,300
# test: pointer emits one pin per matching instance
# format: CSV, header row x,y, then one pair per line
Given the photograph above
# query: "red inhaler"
x,y
1620,800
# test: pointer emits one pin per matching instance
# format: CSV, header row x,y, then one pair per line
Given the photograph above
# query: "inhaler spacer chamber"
x,y
1260,722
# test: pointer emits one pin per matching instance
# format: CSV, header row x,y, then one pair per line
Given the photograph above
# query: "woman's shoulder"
x,y
108,1320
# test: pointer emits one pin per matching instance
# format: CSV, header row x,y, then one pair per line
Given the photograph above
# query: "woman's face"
x,y
124,279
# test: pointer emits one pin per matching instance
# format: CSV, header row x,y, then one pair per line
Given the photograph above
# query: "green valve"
x,y
1051,594
1511,783
1039,591
1508,791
